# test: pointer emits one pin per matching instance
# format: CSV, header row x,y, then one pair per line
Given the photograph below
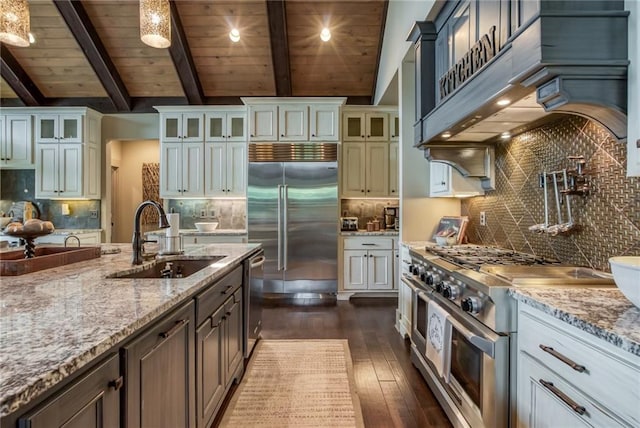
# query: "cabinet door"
x,y
353,169
396,269
70,128
91,187
377,126
160,373
91,402
46,170
394,189
236,167
355,269
263,122
17,146
353,127
394,126
170,170
47,128
192,127
215,169
171,127
210,384
237,126
379,269
439,183
324,123
70,171
292,124
215,126
233,335
192,169
377,169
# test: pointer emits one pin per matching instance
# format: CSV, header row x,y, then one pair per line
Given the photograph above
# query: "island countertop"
x,y
56,321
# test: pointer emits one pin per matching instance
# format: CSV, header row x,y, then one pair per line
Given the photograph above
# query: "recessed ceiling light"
x,y
325,34
503,103
505,135
234,35
446,134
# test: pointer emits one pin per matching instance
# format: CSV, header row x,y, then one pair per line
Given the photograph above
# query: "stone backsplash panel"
x,y
230,213
608,216
365,209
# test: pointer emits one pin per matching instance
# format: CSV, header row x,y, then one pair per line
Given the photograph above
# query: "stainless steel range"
x,y
469,283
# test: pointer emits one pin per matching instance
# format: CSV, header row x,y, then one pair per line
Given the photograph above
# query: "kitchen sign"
x,y
476,58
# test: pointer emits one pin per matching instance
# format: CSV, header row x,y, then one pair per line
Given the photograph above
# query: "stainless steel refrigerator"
x,y
293,211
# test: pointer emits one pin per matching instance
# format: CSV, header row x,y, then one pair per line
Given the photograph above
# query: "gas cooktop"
x,y
475,256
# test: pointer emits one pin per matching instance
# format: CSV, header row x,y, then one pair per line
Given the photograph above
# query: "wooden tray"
x,y
14,263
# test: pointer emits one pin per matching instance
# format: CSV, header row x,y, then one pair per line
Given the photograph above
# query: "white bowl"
x,y
207,226
626,274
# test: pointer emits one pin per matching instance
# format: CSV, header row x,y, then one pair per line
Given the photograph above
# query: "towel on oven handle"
x,y
439,339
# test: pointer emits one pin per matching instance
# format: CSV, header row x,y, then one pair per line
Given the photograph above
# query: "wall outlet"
x,y
93,213
212,213
483,218
203,213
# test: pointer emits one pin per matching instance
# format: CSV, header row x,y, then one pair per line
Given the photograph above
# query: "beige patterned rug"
x,y
297,383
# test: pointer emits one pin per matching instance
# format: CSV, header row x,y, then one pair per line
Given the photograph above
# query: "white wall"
x,y
401,15
633,89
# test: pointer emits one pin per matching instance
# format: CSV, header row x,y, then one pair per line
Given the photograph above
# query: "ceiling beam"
x,y
19,80
182,59
87,37
383,24
276,12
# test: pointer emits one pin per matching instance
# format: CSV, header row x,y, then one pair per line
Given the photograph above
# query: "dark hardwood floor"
x,y
391,390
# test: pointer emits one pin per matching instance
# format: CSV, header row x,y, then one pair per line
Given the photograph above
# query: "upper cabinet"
x,y
224,126
16,141
294,119
359,126
182,127
447,182
394,126
68,153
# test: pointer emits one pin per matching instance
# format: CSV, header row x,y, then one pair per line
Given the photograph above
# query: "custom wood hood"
x,y
563,57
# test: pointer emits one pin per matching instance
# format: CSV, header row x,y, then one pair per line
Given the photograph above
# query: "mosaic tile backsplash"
x,y
608,216
230,213
365,209
19,185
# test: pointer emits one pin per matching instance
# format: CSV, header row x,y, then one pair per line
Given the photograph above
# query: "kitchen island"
x,y
57,322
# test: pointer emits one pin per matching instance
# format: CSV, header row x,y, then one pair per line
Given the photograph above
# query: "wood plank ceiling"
x,y
89,53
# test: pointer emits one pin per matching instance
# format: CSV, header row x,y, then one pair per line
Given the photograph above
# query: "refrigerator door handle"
x,y
279,220
286,226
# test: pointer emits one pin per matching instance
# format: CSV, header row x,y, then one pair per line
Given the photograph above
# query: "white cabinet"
x,y
444,181
68,154
568,377
225,171
394,173
293,122
394,126
225,126
181,127
181,170
359,126
263,122
368,263
365,170
59,128
324,123
16,141
404,313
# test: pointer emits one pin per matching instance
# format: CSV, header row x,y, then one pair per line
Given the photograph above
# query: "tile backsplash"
x,y
608,216
19,185
365,209
230,213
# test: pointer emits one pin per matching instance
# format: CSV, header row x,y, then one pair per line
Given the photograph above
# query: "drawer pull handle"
x,y
173,330
561,395
369,245
577,367
225,291
116,384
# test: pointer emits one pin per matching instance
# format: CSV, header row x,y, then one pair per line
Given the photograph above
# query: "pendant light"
x,y
14,22
155,23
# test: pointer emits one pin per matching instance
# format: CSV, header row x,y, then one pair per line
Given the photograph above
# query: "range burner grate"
x,y
474,256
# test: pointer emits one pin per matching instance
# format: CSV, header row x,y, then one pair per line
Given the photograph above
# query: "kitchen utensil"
x,y
565,227
626,270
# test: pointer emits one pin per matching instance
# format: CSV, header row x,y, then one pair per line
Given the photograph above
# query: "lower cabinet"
x,y
368,263
155,395
91,401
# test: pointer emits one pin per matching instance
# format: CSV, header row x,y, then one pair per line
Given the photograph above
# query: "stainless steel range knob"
x,y
473,305
451,292
433,278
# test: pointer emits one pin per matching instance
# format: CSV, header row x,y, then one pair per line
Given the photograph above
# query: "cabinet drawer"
x,y
208,301
588,363
368,243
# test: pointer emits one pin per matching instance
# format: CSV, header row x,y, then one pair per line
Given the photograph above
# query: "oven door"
x,y
419,312
479,368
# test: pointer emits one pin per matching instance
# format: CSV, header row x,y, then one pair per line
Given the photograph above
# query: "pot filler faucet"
x,y
138,241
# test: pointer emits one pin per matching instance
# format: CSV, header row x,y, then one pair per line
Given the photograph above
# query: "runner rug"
x,y
297,383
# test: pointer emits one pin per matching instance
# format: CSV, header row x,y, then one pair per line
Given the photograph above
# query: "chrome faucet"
x,y
137,241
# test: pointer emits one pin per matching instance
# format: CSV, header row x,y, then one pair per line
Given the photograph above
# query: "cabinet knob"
x,y
368,190
252,135
228,190
185,190
443,183
116,383
282,135
362,136
393,191
313,135
362,190
228,136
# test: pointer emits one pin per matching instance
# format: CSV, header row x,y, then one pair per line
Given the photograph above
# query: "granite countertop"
x,y
196,232
55,321
602,312
363,232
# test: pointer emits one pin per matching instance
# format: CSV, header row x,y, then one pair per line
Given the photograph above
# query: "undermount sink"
x,y
179,268
552,275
